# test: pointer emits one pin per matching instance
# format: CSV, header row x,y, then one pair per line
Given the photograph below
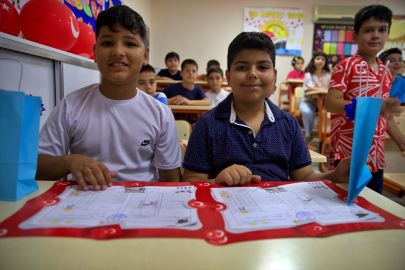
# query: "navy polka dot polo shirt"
x,y
220,139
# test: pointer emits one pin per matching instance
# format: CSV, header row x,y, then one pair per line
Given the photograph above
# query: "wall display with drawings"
x,y
218,214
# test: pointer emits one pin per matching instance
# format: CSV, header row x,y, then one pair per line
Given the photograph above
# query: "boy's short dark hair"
x,y
215,69
213,63
311,66
172,55
124,16
383,55
188,62
251,40
380,13
147,68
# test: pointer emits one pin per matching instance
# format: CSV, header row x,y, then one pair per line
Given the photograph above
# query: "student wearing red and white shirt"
x,y
371,29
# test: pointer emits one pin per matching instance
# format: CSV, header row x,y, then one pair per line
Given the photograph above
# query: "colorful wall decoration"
x,y
396,38
335,40
284,26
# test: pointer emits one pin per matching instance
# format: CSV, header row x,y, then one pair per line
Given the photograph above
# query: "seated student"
x,y
171,73
317,76
111,129
396,64
215,78
298,64
147,83
210,64
186,93
247,138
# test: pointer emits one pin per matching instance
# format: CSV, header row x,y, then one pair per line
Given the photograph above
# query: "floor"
x,y
400,201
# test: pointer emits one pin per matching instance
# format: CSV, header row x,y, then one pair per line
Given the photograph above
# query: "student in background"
x,y
186,92
172,61
210,64
147,83
246,138
298,64
371,28
215,78
396,65
317,76
111,129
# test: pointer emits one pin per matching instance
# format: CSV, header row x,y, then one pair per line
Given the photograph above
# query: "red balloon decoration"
x,y
10,20
85,41
49,22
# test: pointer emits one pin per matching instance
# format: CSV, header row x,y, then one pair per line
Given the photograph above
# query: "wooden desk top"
x,y
398,178
290,80
381,249
323,91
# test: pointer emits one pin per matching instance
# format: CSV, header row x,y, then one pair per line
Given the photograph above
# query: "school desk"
x,y
379,249
161,84
189,109
394,183
290,83
395,162
322,124
315,157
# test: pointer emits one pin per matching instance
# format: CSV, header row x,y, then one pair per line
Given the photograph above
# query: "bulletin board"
x,y
284,26
335,40
396,38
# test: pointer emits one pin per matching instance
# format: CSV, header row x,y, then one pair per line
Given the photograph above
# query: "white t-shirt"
x,y
215,99
131,137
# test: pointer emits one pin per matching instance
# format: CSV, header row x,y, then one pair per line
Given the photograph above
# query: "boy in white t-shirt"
x,y
112,130
215,77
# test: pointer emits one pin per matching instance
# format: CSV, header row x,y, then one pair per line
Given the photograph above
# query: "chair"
x,y
183,129
283,89
183,147
299,94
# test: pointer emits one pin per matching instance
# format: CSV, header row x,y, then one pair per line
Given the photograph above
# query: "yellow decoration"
x,y
279,29
397,29
79,5
244,211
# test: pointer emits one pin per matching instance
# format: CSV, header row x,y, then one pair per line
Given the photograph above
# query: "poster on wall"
x,y
284,26
396,38
335,40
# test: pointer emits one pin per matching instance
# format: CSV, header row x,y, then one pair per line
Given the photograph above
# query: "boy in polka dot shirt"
x,y
247,138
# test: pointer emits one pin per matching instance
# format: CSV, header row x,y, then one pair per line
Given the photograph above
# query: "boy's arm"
x,y
80,166
202,102
395,133
164,78
232,176
334,102
170,175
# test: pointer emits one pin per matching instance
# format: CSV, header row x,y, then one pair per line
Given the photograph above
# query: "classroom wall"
x,y
203,29
143,7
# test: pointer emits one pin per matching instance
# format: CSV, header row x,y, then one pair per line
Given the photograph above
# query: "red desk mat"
x,y
213,226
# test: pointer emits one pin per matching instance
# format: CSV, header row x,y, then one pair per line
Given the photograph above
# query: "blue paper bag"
x,y
365,122
19,135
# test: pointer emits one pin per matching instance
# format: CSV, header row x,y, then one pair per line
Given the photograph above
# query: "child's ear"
x,y
94,51
145,60
228,77
354,37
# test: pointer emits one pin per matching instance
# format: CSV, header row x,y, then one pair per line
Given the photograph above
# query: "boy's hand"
x,y
97,173
342,171
173,100
390,106
183,101
236,175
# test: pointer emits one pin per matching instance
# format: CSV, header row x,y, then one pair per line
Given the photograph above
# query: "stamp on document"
x,y
305,216
116,218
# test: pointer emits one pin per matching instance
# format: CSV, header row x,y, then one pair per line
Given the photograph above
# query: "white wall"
x,y
203,29
143,7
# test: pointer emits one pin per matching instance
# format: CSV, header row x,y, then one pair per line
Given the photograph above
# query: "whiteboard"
x,y
37,80
76,77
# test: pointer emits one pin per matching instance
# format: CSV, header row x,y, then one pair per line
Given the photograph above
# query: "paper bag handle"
x,y
21,73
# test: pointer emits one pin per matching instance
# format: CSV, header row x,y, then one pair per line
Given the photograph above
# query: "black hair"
x,y
215,69
172,55
380,13
311,66
251,40
213,63
188,62
295,59
124,16
147,68
384,54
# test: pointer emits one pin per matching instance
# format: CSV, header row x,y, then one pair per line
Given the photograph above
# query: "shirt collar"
x,y
225,110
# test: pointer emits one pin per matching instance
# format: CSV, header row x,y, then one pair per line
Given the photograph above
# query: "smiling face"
x,y
215,81
147,82
371,37
251,76
119,55
396,63
189,73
